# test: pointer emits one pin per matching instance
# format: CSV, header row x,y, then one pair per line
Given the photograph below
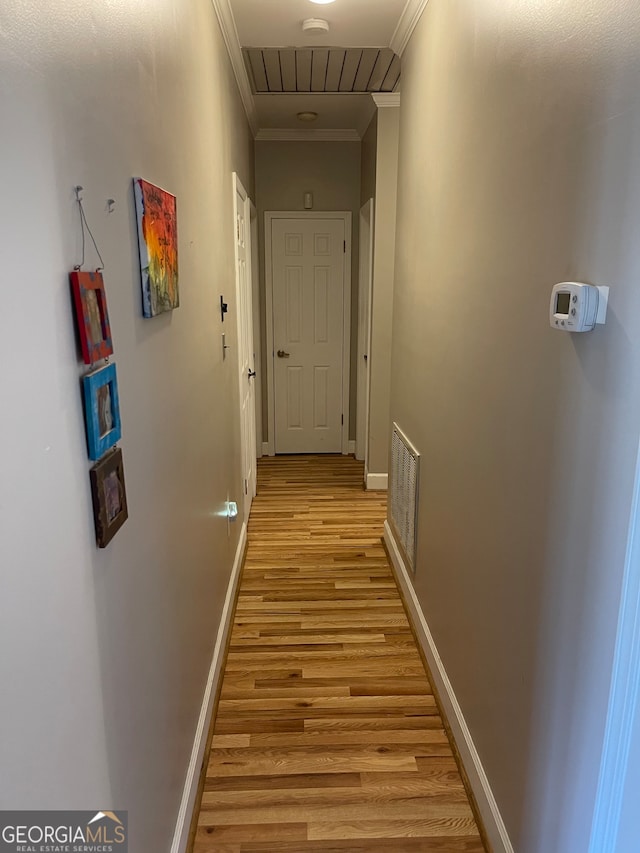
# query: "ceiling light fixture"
x,y
315,26
322,2
307,115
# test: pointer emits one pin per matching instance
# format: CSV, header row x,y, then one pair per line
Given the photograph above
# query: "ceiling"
x,y
353,23
335,112
278,78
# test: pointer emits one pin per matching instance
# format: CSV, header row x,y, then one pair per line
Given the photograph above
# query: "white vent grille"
x,y
405,468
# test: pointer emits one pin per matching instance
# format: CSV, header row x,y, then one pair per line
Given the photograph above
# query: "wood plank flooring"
x,y
327,736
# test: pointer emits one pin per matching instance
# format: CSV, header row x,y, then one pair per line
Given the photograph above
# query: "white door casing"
x,y
244,311
615,819
308,317
365,286
257,351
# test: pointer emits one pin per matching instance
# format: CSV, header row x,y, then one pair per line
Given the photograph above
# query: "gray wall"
x,y
331,170
104,654
519,151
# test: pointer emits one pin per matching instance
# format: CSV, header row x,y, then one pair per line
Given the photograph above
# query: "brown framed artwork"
x,y
109,496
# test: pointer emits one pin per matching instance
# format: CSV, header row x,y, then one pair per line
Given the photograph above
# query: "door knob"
x,y
283,354
252,373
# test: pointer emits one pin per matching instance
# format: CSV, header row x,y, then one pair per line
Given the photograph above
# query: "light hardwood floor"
x,y
327,736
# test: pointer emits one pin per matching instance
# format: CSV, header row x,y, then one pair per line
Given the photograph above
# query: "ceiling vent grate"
x,y
322,69
403,499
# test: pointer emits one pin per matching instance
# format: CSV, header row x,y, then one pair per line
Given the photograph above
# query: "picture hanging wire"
x,y
83,223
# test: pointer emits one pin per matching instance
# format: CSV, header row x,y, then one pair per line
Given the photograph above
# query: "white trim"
x,y
257,325
491,817
345,216
247,442
271,386
386,99
365,297
624,695
346,333
192,781
406,25
378,482
286,134
266,449
352,448
232,41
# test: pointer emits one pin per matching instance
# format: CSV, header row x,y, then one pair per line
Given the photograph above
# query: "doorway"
x,y
308,295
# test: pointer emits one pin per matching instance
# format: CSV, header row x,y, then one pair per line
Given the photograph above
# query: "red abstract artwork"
x,y
158,244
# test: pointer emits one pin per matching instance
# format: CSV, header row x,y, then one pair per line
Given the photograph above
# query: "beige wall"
x,y
105,654
331,170
519,152
383,281
368,161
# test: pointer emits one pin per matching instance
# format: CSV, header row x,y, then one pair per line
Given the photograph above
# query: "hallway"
x,y
327,734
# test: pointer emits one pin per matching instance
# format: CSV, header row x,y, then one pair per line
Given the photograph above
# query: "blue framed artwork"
x,y
102,410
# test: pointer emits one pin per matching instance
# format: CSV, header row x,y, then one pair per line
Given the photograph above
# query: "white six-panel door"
x,y
308,265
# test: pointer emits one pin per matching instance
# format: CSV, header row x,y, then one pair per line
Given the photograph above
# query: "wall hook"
x,y
110,205
78,190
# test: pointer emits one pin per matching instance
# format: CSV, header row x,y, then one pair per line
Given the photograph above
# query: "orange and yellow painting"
x,y
158,244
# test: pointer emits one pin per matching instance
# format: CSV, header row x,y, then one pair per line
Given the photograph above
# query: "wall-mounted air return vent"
x,y
405,469
322,69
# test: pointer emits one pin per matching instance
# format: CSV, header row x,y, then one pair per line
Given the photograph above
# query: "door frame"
x,y
249,491
257,331
365,291
269,218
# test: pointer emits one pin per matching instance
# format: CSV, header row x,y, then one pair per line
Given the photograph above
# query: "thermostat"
x,y
577,307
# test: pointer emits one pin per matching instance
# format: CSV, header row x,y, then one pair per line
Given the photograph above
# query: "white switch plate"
x,y
603,302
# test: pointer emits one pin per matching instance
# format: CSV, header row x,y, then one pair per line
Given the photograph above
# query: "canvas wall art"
x,y
109,497
158,244
91,315
102,410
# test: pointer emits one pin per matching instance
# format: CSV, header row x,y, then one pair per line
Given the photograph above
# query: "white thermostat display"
x,y
577,307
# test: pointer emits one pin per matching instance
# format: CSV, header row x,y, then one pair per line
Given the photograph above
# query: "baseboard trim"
x,y
352,448
266,449
192,781
377,481
487,807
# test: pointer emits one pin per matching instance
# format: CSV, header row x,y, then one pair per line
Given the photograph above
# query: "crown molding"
x,y
303,135
230,35
406,25
386,99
